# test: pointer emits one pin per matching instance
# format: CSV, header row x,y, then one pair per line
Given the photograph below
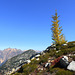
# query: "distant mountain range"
x,y
16,61
8,53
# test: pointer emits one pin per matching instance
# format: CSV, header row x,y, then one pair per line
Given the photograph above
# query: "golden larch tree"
x,y
57,37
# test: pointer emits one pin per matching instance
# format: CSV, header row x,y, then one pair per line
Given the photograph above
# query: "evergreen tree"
x,y
57,37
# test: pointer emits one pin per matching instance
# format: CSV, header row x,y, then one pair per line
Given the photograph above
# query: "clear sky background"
x,y
26,24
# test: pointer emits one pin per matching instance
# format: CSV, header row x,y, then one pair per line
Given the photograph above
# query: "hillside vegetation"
x,y
38,67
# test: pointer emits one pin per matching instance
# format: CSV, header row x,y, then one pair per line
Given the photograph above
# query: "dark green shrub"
x,y
17,74
28,68
34,62
44,58
59,54
64,72
73,57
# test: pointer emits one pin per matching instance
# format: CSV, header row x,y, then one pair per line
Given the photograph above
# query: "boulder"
x,y
28,61
64,44
65,58
37,55
47,65
71,66
64,62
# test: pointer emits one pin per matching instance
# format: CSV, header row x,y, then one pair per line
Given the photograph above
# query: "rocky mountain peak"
x,y
8,53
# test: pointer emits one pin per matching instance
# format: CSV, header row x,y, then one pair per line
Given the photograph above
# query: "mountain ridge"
x,y
8,53
15,61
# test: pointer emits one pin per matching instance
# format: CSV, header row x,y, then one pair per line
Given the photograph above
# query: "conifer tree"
x,y
57,37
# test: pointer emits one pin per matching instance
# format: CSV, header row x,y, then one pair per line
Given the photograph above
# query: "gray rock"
x,y
64,62
71,66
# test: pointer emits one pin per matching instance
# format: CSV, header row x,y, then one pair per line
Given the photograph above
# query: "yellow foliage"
x,y
57,37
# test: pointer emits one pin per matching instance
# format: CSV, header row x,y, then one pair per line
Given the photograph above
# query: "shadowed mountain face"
x,y
16,61
8,53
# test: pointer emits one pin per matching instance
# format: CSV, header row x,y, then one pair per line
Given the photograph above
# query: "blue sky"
x,y
26,24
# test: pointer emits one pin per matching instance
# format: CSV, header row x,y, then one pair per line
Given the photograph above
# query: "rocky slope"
x,y
16,61
55,60
8,53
